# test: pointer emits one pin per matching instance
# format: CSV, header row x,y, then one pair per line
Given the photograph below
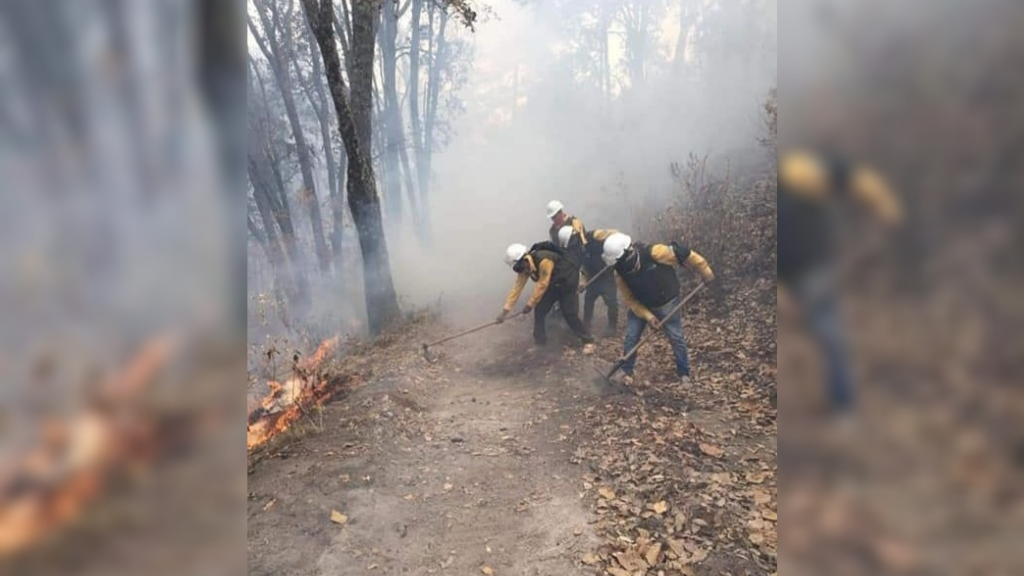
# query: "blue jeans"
x,y
819,304
673,327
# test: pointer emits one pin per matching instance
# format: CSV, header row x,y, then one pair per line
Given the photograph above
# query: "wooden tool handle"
x,y
470,331
675,309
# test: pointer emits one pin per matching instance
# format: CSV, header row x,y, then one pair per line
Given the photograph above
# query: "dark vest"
x,y
565,272
805,224
592,263
652,283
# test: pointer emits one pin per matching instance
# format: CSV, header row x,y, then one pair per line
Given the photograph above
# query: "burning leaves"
x,y
314,380
289,401
278,410
72,466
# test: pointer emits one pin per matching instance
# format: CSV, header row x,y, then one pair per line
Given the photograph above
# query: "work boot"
x,y
685,382
627,379
589,348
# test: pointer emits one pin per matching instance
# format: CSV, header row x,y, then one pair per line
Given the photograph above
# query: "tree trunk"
x,y
387,39
271,245
415,114
222,50
279,41
365,19
254,269
396,157
410,188
686,21
381,301
337,201
268,188
433,92
272,212
635,23
343,28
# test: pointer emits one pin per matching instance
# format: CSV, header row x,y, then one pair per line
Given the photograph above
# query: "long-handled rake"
x,y
622,360
427,346
583,287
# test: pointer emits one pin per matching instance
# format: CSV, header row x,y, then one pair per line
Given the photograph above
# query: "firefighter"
x,y
604,285
556,213
808,186
646,276
557,279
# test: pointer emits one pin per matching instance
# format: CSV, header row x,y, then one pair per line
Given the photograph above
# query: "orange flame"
x,y
283,405
51,486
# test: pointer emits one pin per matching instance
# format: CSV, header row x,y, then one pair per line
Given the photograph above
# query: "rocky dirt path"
x,y
460,467
510,462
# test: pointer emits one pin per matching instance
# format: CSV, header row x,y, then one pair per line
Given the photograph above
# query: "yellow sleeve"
x,y
700,265
544,278
804,174
663,254
517,289
577,225
631,301
873,190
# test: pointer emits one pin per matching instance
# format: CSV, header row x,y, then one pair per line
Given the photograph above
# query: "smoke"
x,y
540,126
115,155
118,276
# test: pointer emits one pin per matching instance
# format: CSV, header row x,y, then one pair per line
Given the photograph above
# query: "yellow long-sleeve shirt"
x,y
543,280
664,254
804,173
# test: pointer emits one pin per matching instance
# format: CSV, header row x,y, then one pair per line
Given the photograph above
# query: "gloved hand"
x,y
501,317
714,286
527,309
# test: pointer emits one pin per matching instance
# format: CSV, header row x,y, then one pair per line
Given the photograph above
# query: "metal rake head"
x,y
427,355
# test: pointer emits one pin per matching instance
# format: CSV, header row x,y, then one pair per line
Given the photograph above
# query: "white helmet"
x,y
554,207
564,234
614,247
514,253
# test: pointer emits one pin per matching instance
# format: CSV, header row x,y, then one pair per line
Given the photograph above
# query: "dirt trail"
x,y
447,467
517,462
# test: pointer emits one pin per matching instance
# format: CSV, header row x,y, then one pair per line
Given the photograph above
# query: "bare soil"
x,y
485,461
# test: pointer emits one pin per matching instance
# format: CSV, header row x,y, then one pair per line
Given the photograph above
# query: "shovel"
x,y
427,346
618,363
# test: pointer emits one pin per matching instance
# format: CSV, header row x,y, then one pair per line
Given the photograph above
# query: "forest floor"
x,y
495,460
